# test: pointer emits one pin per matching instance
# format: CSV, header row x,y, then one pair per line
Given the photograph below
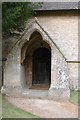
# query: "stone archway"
x,y
38,62
18,75
33,39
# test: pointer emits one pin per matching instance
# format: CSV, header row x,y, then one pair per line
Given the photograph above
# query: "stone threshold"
x,y
40,87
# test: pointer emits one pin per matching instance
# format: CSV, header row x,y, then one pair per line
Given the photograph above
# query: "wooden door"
x,y
41,66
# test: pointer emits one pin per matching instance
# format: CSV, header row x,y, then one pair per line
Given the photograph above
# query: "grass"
x,y
0,105
75,97
11,111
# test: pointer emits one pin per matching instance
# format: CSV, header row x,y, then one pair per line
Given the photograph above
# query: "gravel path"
x,y
46,108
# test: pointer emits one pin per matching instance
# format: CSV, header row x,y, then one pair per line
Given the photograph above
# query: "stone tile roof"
x,y
59,6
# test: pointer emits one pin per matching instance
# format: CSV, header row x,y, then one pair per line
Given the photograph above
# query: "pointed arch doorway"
x,y
38,62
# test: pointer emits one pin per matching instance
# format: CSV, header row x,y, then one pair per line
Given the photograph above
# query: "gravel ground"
x,y
46,108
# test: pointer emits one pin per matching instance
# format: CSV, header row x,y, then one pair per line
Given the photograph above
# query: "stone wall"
x,y
60,31
7,44
73,75
12,72
63,29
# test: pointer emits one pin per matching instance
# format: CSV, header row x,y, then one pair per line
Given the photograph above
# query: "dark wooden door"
x,y
41,66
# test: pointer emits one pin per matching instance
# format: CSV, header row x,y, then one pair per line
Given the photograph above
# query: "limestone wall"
x,y
63,29
7,45
12,84
74,76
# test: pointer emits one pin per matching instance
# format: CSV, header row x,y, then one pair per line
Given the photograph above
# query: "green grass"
x,y
75,97
11,111
0,105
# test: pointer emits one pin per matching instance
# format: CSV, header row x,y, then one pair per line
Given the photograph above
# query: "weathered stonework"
x,y
73,73
58,33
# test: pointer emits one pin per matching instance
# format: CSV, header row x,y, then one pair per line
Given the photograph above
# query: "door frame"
x,y
48,55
